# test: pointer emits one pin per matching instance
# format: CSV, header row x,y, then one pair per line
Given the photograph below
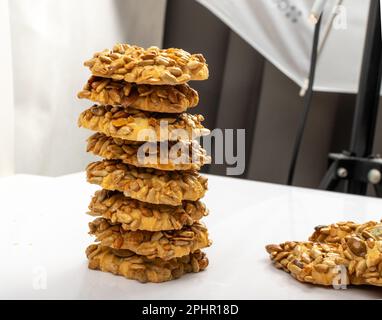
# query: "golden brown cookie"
x,y
309,262
128,264
136,215
136,125
160,244
148,66
354,260
146,184
161,98
176,155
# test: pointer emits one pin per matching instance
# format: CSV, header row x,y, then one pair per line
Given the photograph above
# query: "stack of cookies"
x,y
147,214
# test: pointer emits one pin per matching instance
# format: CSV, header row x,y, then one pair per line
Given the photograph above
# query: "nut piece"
x,y
148,66
161,98
181,155
357,246
134,125
136,215
165,245
148,185
128,264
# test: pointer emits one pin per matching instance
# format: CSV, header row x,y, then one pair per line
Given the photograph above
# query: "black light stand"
x,y
358,167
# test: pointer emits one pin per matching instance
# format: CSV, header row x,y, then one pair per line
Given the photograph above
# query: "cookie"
x,y
161,98
146,184
136,125
354,261
160,244
148,66
128,264
180,155
308,261
136,215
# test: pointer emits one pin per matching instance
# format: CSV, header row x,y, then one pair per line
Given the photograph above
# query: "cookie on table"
x,y
137,215
160,244
355,261
176,155
136,125
148,66
161,98
126,263
308,261
146,184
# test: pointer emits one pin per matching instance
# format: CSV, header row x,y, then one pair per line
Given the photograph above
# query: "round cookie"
x,y
161,244
128,264
136,125
161,98
180,155
146,184
137,215
148,66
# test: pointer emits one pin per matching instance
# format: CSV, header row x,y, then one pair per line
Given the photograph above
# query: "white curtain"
x,y
6,85
43,46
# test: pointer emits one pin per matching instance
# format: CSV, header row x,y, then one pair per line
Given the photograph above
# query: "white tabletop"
x,y
43,235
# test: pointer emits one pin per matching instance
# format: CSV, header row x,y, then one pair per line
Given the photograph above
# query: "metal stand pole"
x,y
357,166
366,109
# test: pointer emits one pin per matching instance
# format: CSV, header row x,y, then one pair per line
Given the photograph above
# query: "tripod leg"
x,y
366,109
330,180
378,190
